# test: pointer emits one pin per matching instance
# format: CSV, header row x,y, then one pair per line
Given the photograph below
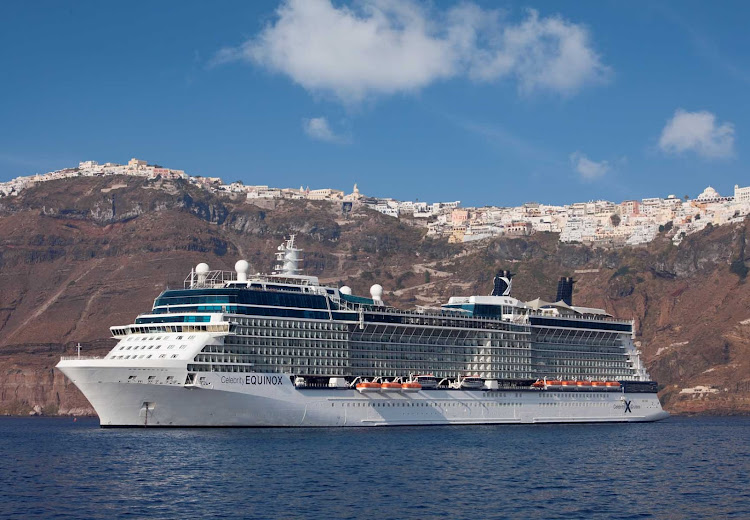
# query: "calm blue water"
x,y
679,468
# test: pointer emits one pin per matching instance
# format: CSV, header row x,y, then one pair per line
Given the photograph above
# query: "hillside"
x,y
77,256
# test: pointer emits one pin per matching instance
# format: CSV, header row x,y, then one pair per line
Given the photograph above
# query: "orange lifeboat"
x,y
568,384
553,384
367,386
390,387
411,386
598,384
612,385
581,384
538,384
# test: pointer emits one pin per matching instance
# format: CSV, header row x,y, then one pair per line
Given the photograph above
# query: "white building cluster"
x,y
600,222
387,206
140,168
135,167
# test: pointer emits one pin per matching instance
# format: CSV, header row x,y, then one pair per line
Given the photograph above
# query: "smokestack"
x,y
502,284
565,289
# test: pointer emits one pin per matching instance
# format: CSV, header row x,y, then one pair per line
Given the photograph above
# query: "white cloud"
x,y
697,132
318,128
587,168
548,53
388,46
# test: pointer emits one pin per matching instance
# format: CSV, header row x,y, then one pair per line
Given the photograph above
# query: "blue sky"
x,y
484,102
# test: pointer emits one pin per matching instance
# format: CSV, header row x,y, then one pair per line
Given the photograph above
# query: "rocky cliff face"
x,y
80,255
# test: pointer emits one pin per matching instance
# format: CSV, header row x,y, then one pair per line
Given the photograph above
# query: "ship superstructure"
x,y
232,349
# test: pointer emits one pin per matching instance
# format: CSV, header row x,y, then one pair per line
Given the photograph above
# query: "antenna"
x,y
78,347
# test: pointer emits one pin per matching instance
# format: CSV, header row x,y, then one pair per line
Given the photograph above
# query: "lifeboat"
x,y
470,383
428,381
612,385
568,384
598,384
553,384
390,387
411,386
538,384
367,386
583,384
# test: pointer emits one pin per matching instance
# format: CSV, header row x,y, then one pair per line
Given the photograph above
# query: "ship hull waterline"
x,y
271,400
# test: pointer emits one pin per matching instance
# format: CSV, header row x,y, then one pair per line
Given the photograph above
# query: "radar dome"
x,y
241,266
376,291
346,290
201,271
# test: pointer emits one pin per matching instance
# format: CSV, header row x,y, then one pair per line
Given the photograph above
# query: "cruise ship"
x,y
282,350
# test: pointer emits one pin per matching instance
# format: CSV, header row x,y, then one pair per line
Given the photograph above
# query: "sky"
x,y
486,102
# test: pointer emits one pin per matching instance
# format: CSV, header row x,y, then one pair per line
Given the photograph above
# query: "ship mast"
x,y
288,258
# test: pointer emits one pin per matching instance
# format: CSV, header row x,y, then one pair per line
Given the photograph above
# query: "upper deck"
x,y
289,322
212,295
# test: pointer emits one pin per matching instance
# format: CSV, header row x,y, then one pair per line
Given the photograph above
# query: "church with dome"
x,y
711,195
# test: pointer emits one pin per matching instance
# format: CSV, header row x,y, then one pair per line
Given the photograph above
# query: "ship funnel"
x,y
565,290
502,284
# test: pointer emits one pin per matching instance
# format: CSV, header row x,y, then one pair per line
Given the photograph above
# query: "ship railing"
x,y
428,311
211,279
586,317
478,322
73,358
217,279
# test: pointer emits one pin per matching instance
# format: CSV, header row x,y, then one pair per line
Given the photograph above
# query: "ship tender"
x,y
282,350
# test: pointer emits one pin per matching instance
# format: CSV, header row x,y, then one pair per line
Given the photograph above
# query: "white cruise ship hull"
x,y
271,400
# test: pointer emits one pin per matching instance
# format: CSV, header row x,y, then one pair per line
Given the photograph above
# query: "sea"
x,y
683,467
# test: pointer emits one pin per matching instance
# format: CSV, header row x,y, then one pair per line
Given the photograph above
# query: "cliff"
x,y
77,256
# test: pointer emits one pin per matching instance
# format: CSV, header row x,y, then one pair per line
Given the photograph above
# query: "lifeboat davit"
x,y
367,386
390,387
411,386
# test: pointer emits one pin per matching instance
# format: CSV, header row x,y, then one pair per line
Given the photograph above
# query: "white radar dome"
x,y
242,266
201,268
346,290
376,291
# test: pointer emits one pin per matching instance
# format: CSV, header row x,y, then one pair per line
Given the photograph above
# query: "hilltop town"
x,y
599,223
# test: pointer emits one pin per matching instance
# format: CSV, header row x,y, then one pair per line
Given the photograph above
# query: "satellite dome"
x,y
242,266
346,290
376,291
201,268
